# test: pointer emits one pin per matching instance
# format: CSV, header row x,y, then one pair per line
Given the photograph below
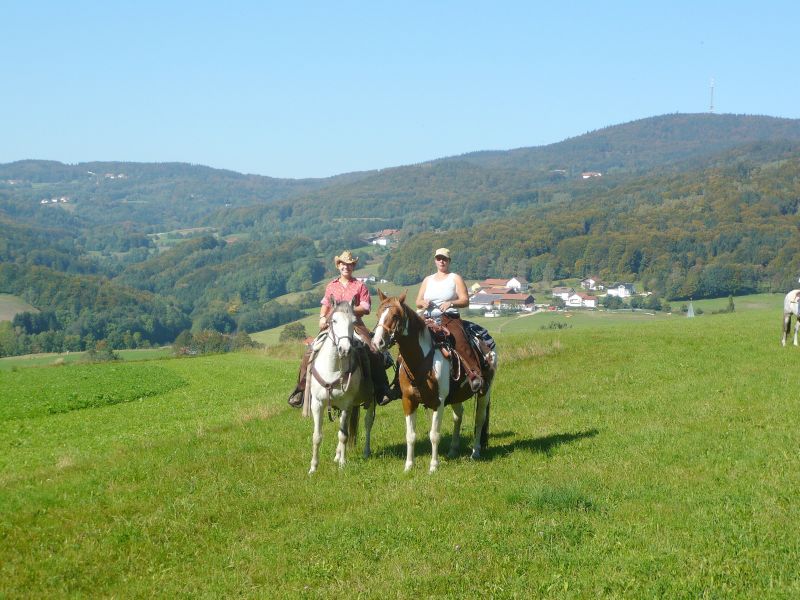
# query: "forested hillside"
x,y
682,205
718,231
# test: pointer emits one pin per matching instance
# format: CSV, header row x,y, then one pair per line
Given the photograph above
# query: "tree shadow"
x,y
544,445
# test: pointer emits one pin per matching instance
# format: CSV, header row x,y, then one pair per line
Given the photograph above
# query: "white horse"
x,y
336,382
425,378
791,306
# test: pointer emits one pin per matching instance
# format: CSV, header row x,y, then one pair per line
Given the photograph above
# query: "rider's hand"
x,y
323,323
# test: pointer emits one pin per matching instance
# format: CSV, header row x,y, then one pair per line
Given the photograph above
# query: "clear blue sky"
x,y
311,89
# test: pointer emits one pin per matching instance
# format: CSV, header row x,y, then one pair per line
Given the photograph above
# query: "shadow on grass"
x,y
544,445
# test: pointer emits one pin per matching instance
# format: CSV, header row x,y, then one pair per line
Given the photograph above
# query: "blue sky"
x,y
312,89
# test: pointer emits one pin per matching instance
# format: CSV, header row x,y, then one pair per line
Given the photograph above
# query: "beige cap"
x,y
442,252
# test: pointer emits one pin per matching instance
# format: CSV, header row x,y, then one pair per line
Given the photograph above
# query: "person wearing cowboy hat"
x,y
343,289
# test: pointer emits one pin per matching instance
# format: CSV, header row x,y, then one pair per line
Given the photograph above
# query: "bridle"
x,y
337,338
402,325
345,375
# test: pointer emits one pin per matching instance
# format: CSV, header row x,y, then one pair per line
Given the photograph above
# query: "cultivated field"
x,y
637,458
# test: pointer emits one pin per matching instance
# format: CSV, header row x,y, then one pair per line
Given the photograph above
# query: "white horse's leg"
x,y
340,447
411,437
481,403
316,438
785,331
369,419
435,435
796,327
455,443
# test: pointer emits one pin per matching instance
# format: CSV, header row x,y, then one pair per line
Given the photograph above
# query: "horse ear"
x,y
354,302
402,297
381,295
332,301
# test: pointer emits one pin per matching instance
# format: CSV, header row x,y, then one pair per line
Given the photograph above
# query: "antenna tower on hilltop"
x,y
711,106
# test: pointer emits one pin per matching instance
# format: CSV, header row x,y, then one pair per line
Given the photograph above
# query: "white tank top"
x,y
441,291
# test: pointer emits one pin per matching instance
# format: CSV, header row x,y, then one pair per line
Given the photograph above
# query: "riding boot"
x,y
466,352
296,397
391,392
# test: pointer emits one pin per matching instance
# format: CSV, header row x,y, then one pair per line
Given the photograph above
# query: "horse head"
x,y
341,325
392,320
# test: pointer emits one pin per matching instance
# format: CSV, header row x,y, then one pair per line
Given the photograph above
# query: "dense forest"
x,y
720,231
134,254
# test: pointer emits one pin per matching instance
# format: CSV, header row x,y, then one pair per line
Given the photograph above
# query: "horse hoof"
x,y
312,470
452,454
408,467
475,455
367,453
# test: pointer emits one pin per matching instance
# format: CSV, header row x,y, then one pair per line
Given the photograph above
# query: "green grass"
x,y
649,458
59,358
11,305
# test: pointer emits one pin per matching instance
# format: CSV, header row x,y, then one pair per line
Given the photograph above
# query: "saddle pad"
x,y
479,333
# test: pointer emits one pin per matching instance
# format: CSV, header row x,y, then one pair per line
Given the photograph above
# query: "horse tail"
x,y
352,425
485,428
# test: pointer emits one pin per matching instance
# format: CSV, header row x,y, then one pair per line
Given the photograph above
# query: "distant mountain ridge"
x,y
644,143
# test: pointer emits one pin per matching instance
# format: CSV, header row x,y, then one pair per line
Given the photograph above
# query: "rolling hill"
x,y
684,205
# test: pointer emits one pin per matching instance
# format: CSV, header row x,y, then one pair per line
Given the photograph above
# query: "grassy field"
x,y
11,305
59,358
639,458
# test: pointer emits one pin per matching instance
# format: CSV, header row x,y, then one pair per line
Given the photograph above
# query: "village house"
x,y
506,301
382,238
515,285
563,292
483,301
516,302
581,300
621,290
592,283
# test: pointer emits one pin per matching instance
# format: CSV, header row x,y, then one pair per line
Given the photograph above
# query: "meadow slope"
x,y
651,458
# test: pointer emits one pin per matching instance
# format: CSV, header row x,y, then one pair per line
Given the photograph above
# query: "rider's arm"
x,y
363,302
421,302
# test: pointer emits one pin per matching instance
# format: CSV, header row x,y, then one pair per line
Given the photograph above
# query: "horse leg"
x,y
455,443
796,327
411,437
340,447
369,419
316,438
786,326
435,435
481,414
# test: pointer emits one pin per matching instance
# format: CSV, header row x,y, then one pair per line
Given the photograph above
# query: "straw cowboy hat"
x,y
346,257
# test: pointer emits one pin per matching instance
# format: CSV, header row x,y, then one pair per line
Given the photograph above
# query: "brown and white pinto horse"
x,y
425,379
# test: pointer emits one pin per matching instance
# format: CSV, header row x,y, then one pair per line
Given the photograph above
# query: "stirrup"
x,y
476,384
296,399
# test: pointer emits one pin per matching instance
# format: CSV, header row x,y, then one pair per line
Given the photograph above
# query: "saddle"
x,y
479,339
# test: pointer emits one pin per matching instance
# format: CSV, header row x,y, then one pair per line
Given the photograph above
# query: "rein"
x,y
426,364
339,381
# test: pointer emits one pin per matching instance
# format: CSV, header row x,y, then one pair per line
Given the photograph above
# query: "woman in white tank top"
x,y
447,292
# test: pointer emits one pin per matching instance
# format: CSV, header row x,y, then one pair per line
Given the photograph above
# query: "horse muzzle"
x,y
343,347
